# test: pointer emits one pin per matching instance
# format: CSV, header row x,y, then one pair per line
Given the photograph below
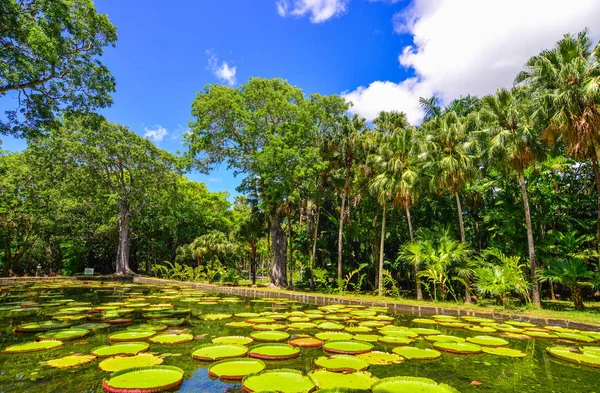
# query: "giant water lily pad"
x,y
395,340
372,338
342,363
519,324
94,326
237,340
210,352
259,320
330,326
216,316
425,332
306,342
62,334
172,338
488,341
347,347
327,336
508,352
409,385
462,348
270,336
574,356
269,326
483,329
358,380
239,324
45,326
118,363
398,331
590,350
33,346
235,369
144,379
576,337
281,381
378,358
145,327
274,351
302,325
129,336
120,349
412,353
424,321
358,329
69,361
478,319
247,315
171,321
444,338
541,334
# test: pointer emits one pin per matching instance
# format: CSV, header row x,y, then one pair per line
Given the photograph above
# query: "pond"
x,y
113,312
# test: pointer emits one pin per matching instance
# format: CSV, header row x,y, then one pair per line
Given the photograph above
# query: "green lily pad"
x,y
478,319
347,347
281,381
413,353
330,326
259,320
576,337
409,385
132,348
62,334
506,328
144,327
33,346
211,352
454,325
590,350
144,379
425,321
216,316
488,341
94,326
69,361
274,351
519,324
328,336
302,325
269,326
372,338
270,336
326,379
571,355
237,340
240,324
372,324
170,321
118,363
247,315
129,336
342,363
45,326
499,351
306,342
172,338
235,369
462,348
481,329
444,338
394,340
378,358
358,329
541,334
425,332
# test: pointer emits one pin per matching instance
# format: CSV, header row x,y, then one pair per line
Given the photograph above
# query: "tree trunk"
x,y
278,269
311,279
124,239
341,233
577,296
461,224
380,283
412,239
552,294
597,179
468,299
253,262
291,251
535,283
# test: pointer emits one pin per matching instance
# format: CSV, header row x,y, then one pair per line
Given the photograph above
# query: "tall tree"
x,y
49,59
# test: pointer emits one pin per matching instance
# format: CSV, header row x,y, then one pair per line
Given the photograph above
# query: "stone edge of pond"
x,y
416,309
16,280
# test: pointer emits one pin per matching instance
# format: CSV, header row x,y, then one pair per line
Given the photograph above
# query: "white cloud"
x,y
471,47
319,10
156,133
215,179
222,70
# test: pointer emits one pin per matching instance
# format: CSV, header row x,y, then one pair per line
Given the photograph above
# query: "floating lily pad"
x,y
216,316
541,334
274,351
478,319
240,324
342,363
259,320
590,350
144,379
281,381
94,326
302,325
306,342
425,332
410,384
237,340
327,380
33,346
269,326
144,327
462,348
488,341
327,336
211,352
132,348
170,321
481,329
372,338
412,353
118,363
235,369
69,361
576,337
62,334
270,336
519,324
45,326
499,351
506,328
398,331
394,340
373,324
347,347
172,338
444,338
424,321
330,326
454,325
129,336
573,356
358,329
380,358
247,315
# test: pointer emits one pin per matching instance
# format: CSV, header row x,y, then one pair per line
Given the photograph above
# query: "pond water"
x,y
24,372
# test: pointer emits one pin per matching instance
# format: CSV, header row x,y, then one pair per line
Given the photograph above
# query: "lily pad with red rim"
x,y
150,379
63,334
281,381
347,347
129,336
144,327
171,338
118,363
328,336
574,356
35,327
274,351
132,348
342,363
212,352
235,369
270,336
410,384
306,342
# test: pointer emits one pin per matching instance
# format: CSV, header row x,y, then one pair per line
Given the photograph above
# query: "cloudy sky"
x,y
379,54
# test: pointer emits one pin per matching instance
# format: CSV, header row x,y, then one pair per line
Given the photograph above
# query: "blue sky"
x,y
383,54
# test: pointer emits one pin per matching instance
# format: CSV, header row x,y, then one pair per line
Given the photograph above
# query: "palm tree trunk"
x,y
253,262
577,296
461,224
412,239
597,179
530,246
291,281
314,249
341,229
380,280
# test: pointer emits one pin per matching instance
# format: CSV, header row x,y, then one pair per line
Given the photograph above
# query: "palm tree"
x,y
572,273
565,82
214,243
513,145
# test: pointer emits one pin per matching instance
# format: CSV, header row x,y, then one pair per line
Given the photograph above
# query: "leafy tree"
x,y
49,52
500,275
572,273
